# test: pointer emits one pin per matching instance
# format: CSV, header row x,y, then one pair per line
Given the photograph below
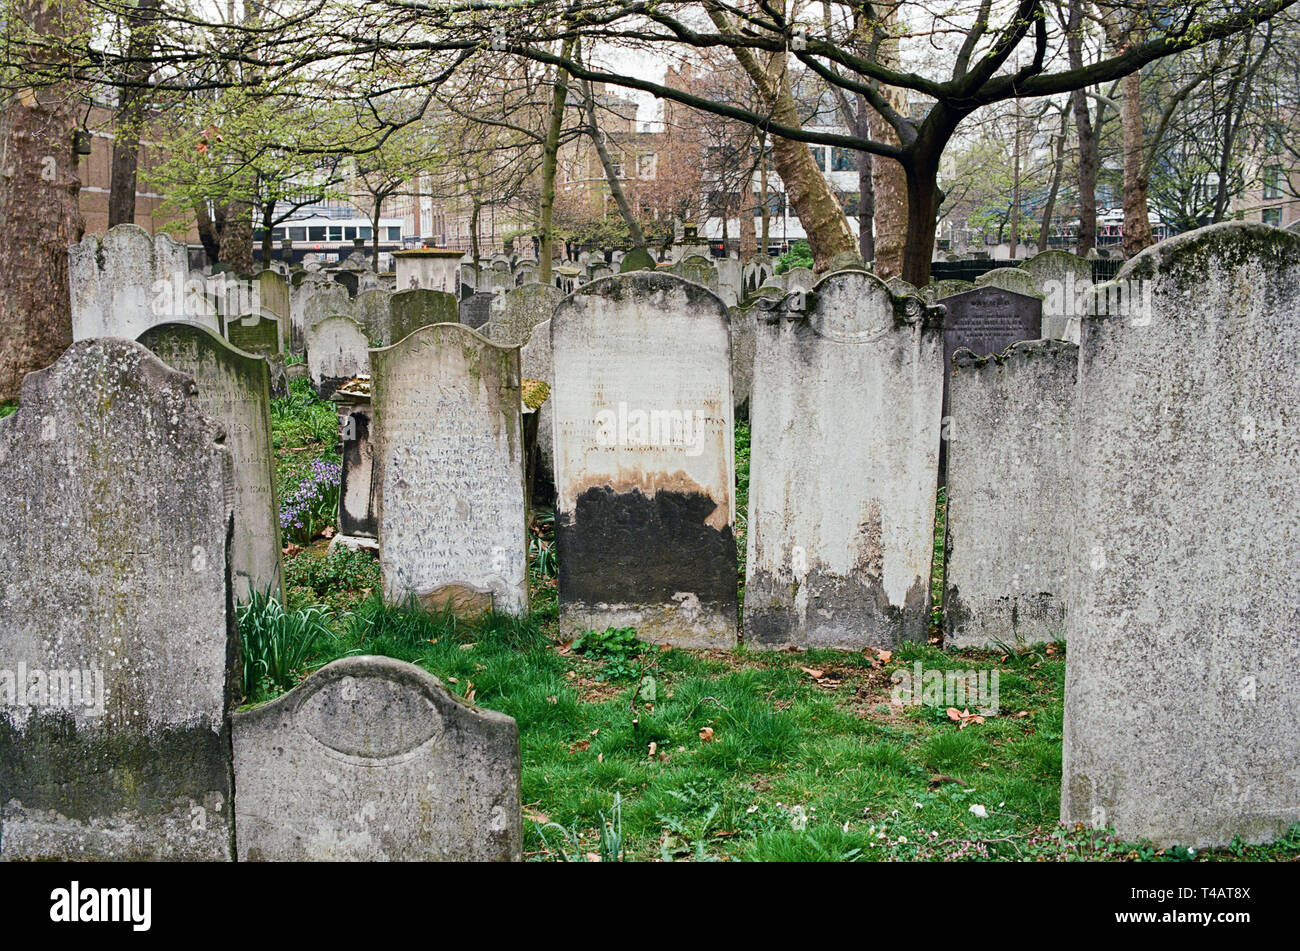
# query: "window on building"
x,y
363,232
277,234
647,166
395,234
1273,181
297,234
819,157
1273,216
336,232
316,233
774,204
349,234
843,160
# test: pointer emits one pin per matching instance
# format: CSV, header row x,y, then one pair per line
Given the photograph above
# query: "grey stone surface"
x,y
325,301
372,759
374,311
1009,279
644,460
449,470
1064,280
697,268
844,430
519,311
476,310
254,333
114,540
1181,685
416,308
535,364
234,388
124,282
273,295
1008,469
744,337
938,290
358,508
337,350
800,279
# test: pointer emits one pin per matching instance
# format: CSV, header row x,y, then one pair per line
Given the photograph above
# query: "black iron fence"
x,y
1103,269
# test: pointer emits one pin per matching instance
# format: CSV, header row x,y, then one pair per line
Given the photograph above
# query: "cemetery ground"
x,y
642,753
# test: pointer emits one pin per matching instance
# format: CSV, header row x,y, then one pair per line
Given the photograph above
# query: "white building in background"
x,y
839,166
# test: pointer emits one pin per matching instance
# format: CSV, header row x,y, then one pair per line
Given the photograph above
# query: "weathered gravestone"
x,y
520,311
273,297
743,343
1065,282
117,637
1183,609
416,308
644,464
1009,279
254,333
371,759
350,280
800,279
638,259
476,310
434,269
845,437
1008,471
358,513
124,282
325,302
337,350
234,388
695,267
449,471
939,290
373,310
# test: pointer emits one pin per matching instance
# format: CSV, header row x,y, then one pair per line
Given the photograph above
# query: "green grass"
x,y
650,754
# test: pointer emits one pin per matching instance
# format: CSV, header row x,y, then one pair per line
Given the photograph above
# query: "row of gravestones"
x,y
119,646
840,528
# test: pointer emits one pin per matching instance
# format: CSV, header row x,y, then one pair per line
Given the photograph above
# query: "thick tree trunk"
x,y
1137,223
1087,158
473,243
550,151
866,206
268,220
235,236
39,217
133,100
923,198
207,232
1045,232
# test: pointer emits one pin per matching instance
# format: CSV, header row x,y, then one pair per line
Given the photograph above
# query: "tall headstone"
x,y
699,269
254,333
1009,467
374,311
1065,282
316,781
476,310
449,471
638,259
645,470
337,350
1183,610
124,282
117,638
520,311
234,388
326,302
843,468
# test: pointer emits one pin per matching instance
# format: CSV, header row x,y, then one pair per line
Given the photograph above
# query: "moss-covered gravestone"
x,y
117,635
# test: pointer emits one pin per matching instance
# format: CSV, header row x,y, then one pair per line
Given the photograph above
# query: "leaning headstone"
x,y
124,282
1181,687
117,641
1008,467
476,310
520,311
234,388
843,471
337,351
644,463
254,333
449,471
638,259
1065,282
418,308
439,782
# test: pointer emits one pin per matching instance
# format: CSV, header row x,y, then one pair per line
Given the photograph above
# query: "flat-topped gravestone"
x,y
416,308
234,388
1009,469
845,427
642,417
520,311
434,269
273,296
337,351
438,781
125,281
449,471
1181,685
254,333
116,628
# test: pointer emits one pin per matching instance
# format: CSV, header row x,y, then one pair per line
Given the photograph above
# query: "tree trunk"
x,y
748,237
765,203
607,163
866,202
207,232
550,151
133,100
1137,223
1087,158
39,216
473,243
268,221
1045,232
923,199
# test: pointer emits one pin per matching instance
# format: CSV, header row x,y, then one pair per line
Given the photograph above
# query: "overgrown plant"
x,y
276,644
